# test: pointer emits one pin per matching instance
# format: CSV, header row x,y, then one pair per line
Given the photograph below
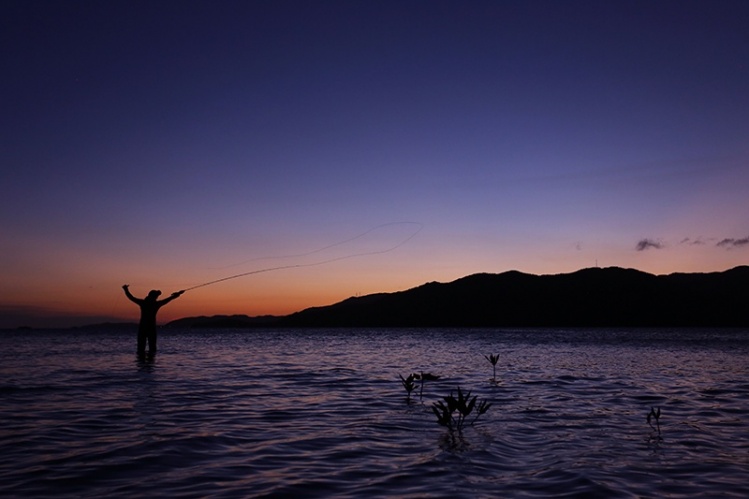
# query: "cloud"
x,y
644,244
730,242
692,242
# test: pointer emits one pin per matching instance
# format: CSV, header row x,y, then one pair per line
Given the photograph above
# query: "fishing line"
x,y
320,250
323,262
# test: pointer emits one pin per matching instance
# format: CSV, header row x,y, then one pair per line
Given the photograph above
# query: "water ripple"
x,y
322,413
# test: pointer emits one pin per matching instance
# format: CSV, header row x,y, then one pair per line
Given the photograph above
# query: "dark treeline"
x,y
586,298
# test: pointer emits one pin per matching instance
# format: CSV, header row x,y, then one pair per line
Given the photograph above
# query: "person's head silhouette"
x,y
153,294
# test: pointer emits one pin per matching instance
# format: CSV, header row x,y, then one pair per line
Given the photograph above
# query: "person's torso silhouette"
x,y
149,306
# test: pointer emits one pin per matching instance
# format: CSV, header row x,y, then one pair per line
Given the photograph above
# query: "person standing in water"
x,y
147,325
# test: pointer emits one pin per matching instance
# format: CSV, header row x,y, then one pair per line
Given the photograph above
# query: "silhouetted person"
x,y
147,325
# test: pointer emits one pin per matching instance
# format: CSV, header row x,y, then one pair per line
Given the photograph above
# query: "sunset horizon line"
x,y
26,316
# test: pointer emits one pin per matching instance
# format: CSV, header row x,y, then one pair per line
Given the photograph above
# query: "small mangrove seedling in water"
x,y
408,384
655,415
493,359
454,411
424,377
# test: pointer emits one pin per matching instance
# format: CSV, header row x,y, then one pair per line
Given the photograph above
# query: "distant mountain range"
x,y
592,297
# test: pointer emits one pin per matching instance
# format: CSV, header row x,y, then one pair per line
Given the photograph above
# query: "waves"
x,y
323,414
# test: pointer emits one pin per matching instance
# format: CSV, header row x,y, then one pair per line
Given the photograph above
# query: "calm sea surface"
x,y
322,413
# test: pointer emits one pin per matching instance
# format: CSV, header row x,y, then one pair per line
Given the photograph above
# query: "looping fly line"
x,y
420,226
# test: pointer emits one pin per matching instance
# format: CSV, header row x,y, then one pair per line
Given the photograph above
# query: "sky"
x,y
328,149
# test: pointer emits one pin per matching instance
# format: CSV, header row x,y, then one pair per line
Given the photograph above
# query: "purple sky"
x,y
168,144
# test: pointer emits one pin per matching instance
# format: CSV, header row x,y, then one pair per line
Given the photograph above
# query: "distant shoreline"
x,y
592,297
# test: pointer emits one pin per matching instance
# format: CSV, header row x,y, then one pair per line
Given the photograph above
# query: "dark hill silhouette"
x,y
589,297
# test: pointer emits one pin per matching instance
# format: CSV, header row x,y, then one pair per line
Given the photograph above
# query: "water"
x,y
322,413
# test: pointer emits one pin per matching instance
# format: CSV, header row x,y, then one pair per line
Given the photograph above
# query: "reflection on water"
x,y
323,413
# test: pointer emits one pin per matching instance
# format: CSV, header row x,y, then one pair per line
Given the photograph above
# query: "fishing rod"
x,y
322,262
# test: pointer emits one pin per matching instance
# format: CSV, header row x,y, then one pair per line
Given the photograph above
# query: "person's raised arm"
x,y
129,295
174,295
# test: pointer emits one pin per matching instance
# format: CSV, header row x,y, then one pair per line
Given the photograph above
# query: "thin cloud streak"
x,y
731,242
645,244
693,242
